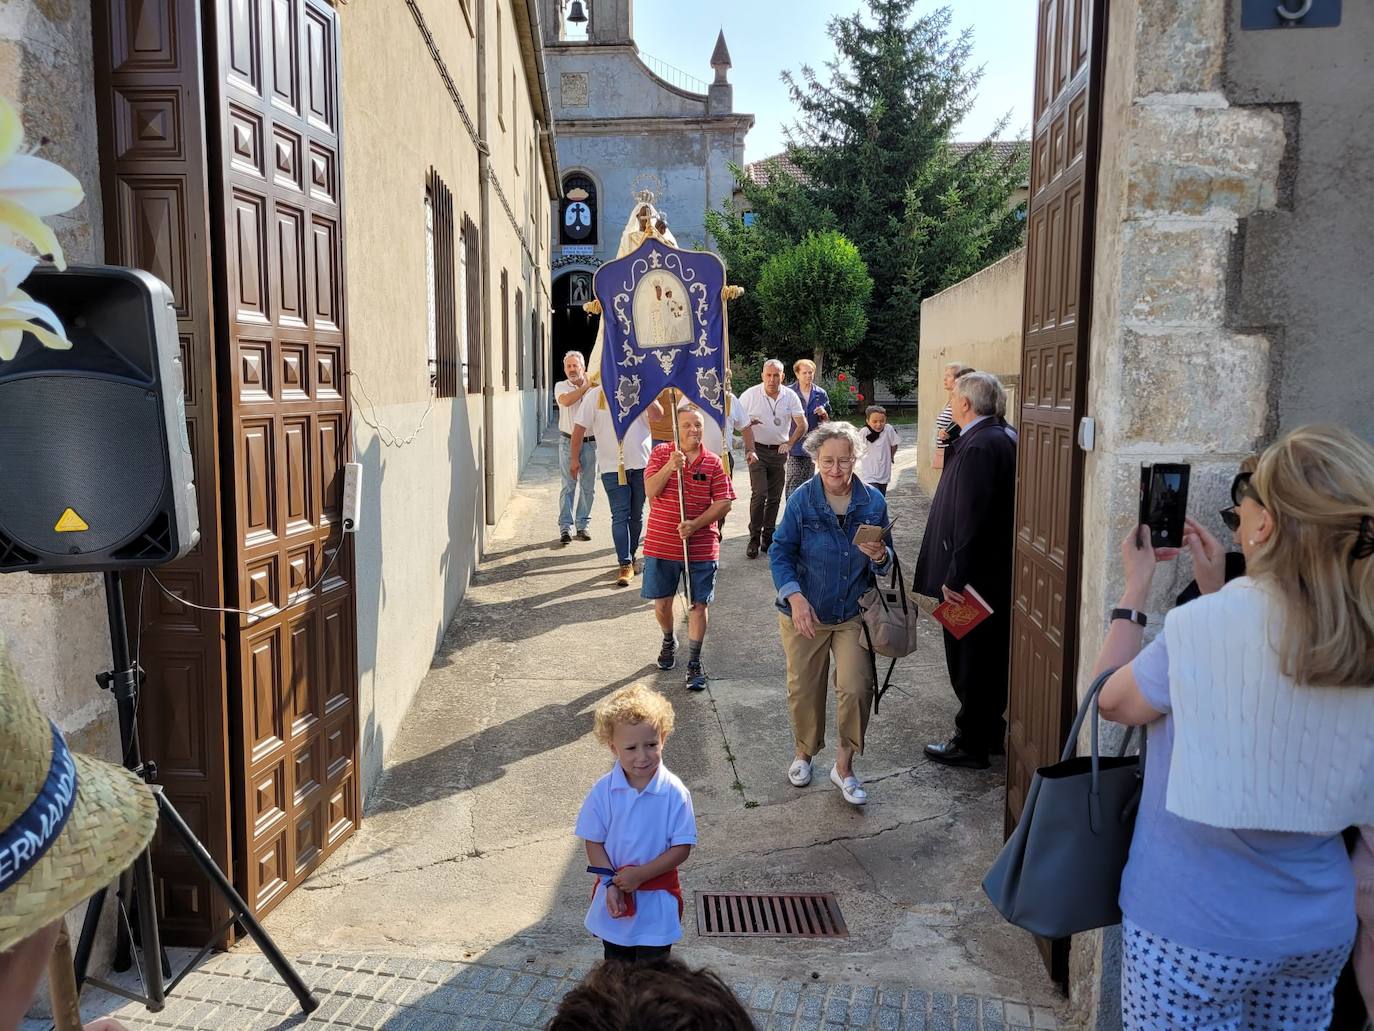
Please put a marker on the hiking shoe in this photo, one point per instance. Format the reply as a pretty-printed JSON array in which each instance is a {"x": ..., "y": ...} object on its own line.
[
  {"x": 753, "y": 550},
  {"x": 565, "y": 537},
  {"x": 696, "y": 679},
  {"x": 626, "y": 571},
  {"x": 583, "y": 535},
  {"x": 637, "y": 564},
  {"x": 667, "y": 655}
]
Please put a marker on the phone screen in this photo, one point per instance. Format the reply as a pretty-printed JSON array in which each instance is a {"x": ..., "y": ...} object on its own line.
[{"x": 1164, "y": 503}]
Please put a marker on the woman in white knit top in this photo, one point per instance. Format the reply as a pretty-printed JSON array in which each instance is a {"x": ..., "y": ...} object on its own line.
[{"x": 1238, "y": 897}]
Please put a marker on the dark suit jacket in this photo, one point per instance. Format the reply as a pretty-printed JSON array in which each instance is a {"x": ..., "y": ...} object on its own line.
[{"x": 968, "y": 538}]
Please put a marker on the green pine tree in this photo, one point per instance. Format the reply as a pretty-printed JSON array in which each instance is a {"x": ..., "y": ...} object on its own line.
[{"x": 873, "y": 144}]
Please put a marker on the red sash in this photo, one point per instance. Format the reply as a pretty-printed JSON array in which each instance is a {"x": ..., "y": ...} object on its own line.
[{"x": 668, "y": 882}]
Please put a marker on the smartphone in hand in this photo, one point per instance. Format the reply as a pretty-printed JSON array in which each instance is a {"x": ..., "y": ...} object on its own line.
[{"x": 1164, "y": 502}]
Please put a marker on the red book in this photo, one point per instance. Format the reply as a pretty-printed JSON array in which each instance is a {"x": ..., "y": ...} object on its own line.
[{"x": 961, "y": 617}]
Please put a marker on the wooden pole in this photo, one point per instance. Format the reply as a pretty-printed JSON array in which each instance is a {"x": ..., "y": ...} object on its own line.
[
  {"x": 681, "y": 500},
  {"x": 66, "y": 1004}
]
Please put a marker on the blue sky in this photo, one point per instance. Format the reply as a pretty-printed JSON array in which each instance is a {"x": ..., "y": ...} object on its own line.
[{"x": 768, "y": 36}]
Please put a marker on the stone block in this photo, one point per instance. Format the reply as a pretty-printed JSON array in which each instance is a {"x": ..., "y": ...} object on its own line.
[
  {"x": 1175, "y": 272},
  {"x": 1203, "y": 160},
  {"x": 1196, "y": 391},
  {"x": 1180, "y": 46}
]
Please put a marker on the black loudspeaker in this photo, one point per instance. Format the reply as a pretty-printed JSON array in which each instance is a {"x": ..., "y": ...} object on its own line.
[{"x": 95, "y": 466}]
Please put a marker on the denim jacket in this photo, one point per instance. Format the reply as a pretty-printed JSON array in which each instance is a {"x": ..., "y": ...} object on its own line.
[{"x": 811, "y": 553}]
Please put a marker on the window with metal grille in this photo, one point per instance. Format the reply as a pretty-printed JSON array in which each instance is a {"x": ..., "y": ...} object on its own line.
[
  {"x": 472, "y": 297},
  {"x": 505, "y": 330},
  {"x": 441, "y": 288},
  {"x": 520, "y": 365}
]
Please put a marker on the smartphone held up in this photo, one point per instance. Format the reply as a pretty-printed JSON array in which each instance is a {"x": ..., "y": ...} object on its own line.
[{"x": 1164, "y": 502}]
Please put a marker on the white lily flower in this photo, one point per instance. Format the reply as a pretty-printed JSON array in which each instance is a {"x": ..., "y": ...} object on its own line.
[
  {"x": 18, "y": 310},
  {"x": 30, "y": 188}
]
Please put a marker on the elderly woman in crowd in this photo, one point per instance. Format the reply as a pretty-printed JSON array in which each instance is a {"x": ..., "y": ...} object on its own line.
[
  {"x": 820, "y": 573},
  {"x": 945, "y": 421},
  {"x": 815, "y": 402},
  {"x": 1238, "y": 897}
]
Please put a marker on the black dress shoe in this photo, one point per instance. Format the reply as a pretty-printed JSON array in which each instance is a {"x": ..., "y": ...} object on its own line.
[
  {"x": 583, "y": 535},
  {"x": 753, "y": 550},
  {"x": 565, "y": 537},
  {"x": 954, "y": 754}
]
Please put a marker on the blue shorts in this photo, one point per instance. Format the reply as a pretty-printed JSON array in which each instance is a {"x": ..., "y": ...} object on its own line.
[{"x": 663, "y": 575}]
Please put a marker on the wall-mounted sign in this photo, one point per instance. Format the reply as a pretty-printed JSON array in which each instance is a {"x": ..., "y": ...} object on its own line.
[
  {"x": 1290, "y": 14},
  {"x": 578, "y": 250}
]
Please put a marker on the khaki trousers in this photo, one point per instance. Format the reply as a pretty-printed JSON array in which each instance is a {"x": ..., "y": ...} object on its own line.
[{"x": 808, "y": 669}]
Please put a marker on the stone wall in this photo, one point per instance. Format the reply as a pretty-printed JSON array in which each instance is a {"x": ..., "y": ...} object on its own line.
[
  {"x": 1170, "y": 378},
  {"x": 978, "y": 322}
]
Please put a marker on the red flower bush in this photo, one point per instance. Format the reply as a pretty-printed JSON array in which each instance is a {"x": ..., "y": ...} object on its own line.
[
  {"x": 840, "y": 377},
  {"x": 861, "y": 397}
]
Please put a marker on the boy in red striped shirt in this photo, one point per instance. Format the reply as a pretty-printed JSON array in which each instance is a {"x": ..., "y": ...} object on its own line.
[{"x": 707, "y": 493}]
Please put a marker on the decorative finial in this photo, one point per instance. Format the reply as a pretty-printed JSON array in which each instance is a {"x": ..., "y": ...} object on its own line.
[{"x": 720, "y": 58}]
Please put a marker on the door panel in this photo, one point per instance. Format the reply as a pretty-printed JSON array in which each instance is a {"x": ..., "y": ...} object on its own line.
[
  {"x": 1053, "y": 374},
  {"x": 292, "y": 661},
  {"x": 153, "y": 163}
]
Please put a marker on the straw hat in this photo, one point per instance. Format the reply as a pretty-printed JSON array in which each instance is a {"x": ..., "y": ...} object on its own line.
[{"x": 108, "y": 822}]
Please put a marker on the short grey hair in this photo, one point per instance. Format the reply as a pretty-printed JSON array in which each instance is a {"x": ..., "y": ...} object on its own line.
[
  {"x": 835, "y": 429},
  {"x": 575, "y": 353},
  {"x": 773, "y": 361},
  {"x": 956, "y": 366},
  {"x": 983, "y": 391}
]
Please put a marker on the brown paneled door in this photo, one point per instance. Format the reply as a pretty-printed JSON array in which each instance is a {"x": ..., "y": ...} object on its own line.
[
  {"x": 275, "y": 167},
  {"x": 1064, "y": 161}
]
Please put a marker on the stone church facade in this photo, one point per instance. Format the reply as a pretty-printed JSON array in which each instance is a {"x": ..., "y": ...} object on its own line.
[{"x": 625, "y": 122}]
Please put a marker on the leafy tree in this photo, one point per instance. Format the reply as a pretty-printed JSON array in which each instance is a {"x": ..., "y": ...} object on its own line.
[
  {"x": 872, "y": 146},
  {"x": 814, "y": 296}
]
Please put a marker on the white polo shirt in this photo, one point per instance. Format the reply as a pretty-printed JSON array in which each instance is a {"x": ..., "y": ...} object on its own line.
[
  {"x": 637, "y": 827},
  {"x": 711, "y": 437},
  {"x": 774, "y": 413},
  {"x": 596, "y": 421},
  {"x": 566, "y": 412},
  {"x": 876, "y": 464}
]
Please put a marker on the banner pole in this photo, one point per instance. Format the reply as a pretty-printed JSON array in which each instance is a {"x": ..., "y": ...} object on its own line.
[{"x": 681, "y": 500}]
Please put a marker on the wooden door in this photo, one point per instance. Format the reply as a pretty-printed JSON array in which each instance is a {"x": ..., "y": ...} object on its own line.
[
  {"x": 1059, "y": 237},
  {"x": 153, "y": 180},
  {"x": 292, "y": 681}
]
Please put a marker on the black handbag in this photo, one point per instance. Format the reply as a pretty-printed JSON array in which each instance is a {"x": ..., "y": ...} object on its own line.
[
  {"x": 1060, "y": 871},
  {"x": 890, "y": 621}
]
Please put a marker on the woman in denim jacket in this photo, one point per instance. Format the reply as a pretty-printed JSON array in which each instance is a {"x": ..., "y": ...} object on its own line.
[{"x": 820, "y": 574}]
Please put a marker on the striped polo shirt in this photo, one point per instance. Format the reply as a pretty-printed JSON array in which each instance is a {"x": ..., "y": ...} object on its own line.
[{"x": 705, "y": 484}]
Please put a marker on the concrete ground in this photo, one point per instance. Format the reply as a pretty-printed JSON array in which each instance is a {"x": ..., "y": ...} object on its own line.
[{"x": 466, "y": 856}]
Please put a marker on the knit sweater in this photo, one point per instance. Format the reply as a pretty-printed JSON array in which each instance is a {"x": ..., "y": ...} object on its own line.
[{"x": 1253, "y": 749}]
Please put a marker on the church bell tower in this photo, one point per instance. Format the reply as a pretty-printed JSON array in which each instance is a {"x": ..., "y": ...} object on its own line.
[{"x": 607, "y": 22}]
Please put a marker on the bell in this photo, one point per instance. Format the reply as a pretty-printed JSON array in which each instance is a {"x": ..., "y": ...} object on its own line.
[{"x": 577, "y": 15}]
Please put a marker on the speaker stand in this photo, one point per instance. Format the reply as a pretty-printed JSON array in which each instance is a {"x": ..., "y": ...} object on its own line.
[{"x": 136, "y": 888}]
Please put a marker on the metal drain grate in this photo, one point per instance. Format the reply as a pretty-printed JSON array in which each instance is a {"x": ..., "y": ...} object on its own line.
[{"x": 769, "y": 914}]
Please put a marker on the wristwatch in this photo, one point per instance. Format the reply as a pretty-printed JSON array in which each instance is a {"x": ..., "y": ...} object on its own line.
[{"x": 1133, "y": 615}]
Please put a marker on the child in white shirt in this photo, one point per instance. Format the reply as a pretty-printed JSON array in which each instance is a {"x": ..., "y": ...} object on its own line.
[
  {"x": 638, "y": 825},
  {"x": 875, "y": 468}
]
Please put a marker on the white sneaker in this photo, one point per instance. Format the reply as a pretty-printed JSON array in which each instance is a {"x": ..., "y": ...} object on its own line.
[
  {"x": 849, "y": 787},
  {"x": 799, "y": 773}
]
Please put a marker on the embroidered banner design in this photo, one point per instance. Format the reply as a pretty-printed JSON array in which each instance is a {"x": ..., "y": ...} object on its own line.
[
  {"x": 663, "y": 326},
  {"x": 24, "y": 841}
]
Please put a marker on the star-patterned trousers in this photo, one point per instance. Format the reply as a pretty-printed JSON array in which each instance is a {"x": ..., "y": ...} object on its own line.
[{"x": 1164, "y": 985}]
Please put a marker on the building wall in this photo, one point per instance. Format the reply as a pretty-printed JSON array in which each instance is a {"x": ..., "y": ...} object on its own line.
[
  {"x": 1170, "y": 377},
  {"x": 1305, "y": 267},
  {"x": 423, "y": 522},
  {"x": 53, "y": 628},
  {"x": 977, "y": 322}
]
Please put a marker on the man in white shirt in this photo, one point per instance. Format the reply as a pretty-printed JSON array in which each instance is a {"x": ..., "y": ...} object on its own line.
[
  {"x": 593, "y": 419},
  {"x": 569, "y": 393},
  {"x": 779, "y": 421}
]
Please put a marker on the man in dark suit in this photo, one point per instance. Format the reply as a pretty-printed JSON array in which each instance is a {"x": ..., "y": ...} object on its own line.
[{"x": 968, "y": 542}]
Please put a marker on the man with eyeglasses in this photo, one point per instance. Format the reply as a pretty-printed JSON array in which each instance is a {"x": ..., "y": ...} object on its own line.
[{"x": 779, "y": 421}]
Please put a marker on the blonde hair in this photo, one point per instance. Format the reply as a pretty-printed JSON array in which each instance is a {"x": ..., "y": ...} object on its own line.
[
  {"x": 633, "y": 704},
  {"x": 804, "y": 363},
  {"x": 1317, "y": 484}
]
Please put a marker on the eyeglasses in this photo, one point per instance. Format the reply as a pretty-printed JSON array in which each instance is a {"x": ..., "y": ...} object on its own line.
[
  {"x": 1240, "y": 488},
  {"x": 833, "y": 463}
]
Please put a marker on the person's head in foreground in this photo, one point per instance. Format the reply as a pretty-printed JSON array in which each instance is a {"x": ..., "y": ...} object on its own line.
[
  {"x": 68, "y": 825},
  {"x": 665, "y": 995},
  {"x": 634, "y": 723}
]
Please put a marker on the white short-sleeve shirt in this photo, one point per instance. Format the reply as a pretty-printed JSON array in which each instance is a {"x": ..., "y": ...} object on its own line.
[
  {"x": 565, "y": 412},
  {"x": 774, "y": 413},
  {"x": 597, "y": 422},
  {"x": 876, "y": 464},
  {"x": 637, "y": 827},
  {"x": 711, "y": 438}
]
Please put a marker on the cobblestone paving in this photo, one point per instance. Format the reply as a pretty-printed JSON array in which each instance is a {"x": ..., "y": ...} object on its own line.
[{"x": 243, "y": 993}]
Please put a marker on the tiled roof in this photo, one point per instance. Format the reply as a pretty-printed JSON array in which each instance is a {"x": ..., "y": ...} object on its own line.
[{"x": 762, "y": 172}]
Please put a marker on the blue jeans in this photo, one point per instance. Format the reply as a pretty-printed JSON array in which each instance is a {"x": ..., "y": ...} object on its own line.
[
  {"x": 627, "y": 511},
  {"x": 584, "y": 487}
]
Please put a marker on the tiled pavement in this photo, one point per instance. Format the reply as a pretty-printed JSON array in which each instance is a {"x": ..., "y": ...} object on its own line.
[{"x": 242, "y": 992}]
